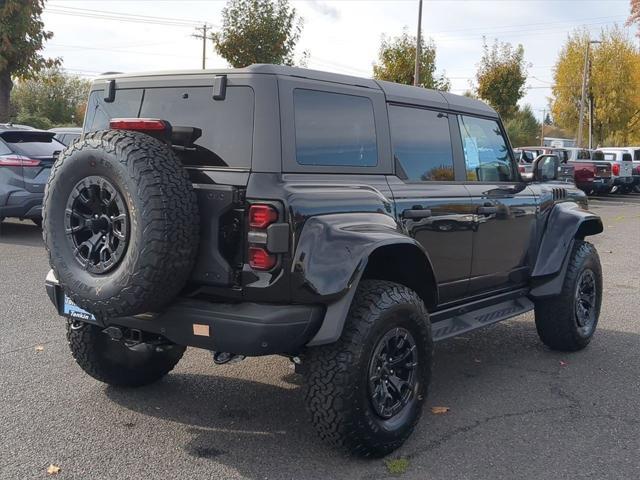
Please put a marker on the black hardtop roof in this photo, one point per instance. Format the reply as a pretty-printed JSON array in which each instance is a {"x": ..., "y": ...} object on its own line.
[{"x": 394, "y": 92}]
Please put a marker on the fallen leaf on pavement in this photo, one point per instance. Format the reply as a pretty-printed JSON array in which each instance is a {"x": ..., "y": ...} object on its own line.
[
  {"x": 439, "y": 410},
  {"x": 563, "y": 364},
  {"x": 39, "y": 348},
  {"x": 53, "y": 469},
  {"x": 477, "y": 360}
]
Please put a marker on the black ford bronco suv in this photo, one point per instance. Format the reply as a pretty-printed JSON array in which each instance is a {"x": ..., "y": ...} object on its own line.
[{"x": 345, "y": 223}]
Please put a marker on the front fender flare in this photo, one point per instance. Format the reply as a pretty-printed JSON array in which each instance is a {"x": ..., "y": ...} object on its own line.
[{"x": 566, "y": 223}]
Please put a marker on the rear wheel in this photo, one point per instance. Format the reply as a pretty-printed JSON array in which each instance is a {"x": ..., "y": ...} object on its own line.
[
  {"x": 116, "y": 363},
  {"x": 365, "y": 392},
  {"x": 567, "y": 321}
]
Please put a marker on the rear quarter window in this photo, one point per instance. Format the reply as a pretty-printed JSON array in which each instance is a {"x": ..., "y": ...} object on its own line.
[
  {"x": 227, "y": 125},
  {"x": 334, "y": 129}
]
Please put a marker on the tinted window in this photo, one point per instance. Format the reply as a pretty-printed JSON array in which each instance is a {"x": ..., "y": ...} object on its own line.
[
  {"x": 636, "y": 154},
  {"x": 334, "y": 129},
  {"x": 597, "y": 155},
  {"x": 485, "y": 150},
  {"x": 99, "y": 112},
  {"x": 226, "y": 139},
  {"x": 421, "y": 144},
  {"x": 584, "y": 155},
  {"x": 227, "y": 125},
  {"x": 32, "y": 144}
]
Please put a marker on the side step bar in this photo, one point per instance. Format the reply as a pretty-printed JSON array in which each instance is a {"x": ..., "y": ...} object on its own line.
[{"x": 453, "y": 322}]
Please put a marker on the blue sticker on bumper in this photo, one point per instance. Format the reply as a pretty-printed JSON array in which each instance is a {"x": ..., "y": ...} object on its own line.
[{"x": 74, "y": 311}]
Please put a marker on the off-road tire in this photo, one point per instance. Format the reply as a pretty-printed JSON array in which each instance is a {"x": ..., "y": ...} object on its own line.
[
  {"x": 556, "y": 318},
  {"x": 336, "y": 375},
  {"x": 163, "y": 223},
  {"x": 114, "y": 363}
]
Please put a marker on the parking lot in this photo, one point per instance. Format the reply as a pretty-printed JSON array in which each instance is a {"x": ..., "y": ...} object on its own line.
[{"x": 517, "y": 410}]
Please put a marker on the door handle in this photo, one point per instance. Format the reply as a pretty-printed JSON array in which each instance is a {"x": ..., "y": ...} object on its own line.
[
  {"x": 487, "y": 210},
  {"x": 417, "y": 213}
]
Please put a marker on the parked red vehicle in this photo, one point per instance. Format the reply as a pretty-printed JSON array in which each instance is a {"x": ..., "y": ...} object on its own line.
[{"x": 592, "y": 176}]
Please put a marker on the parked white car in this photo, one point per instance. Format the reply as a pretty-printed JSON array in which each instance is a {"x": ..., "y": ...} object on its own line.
[
  {"x": 635, "y": 158},
  {"x": 621, "y": 167}
]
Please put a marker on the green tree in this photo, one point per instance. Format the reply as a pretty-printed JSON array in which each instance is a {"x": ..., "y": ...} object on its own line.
[
  {"x": 22, "y": 36},
  {"x": 523, "y": 128},
  {"x": 396, "y": 62},
  {"x": 258, "y": 31},
  {"x": 613, "y": 86},
  {"x": 52, "y": 94},
  {"x": 501, "y": 77}
]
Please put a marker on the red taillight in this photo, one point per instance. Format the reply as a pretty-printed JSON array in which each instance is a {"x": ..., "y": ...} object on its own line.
[
  {"x": 138, "y": 124},
  {"x": 522, "y": 169},
  {"x": 18, "y": 162},
  {"x": 260, "y": 259},
  {"x": 261, "y": 216},
  {"x": 615, "y": 169}
]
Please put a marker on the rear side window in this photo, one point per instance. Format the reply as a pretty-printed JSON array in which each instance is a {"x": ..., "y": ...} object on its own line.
[
  {"x": 4, "y": 150},
  {"x": 32, "y": 144},
  {"x": 334, "y": 129},
  {"x": 584, "y": 155},
  {"x": 485, "y": 150},
  {"x": 421, "y": 144},
  {"x": 636, "y": 154},
  {"x": 226, "y": 125},
  {"x": 626, "y": 157}
]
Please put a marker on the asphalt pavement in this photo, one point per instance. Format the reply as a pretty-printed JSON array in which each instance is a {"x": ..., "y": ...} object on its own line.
[{"x": 517, "y": 409}]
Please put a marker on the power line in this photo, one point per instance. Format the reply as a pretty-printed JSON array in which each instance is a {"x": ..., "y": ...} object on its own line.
[{"x": 122, "y": 17}]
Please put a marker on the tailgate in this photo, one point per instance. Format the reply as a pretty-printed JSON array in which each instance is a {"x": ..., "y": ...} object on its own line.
[{"x": 603, "y": 170}]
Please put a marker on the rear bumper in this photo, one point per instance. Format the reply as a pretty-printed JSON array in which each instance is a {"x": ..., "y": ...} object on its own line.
[
  {"x": 619, "y": 181},
  {"x": 22, "y": 204},
  {"x": 597, "y": 184},
  {"x": 242, "y": 328}
]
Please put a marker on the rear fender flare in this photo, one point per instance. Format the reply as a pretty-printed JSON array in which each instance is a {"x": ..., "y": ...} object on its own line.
[{"x": 333, "y": 253}]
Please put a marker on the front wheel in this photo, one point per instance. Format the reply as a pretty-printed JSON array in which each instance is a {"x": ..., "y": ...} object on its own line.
[
  {"x": 116, "y": 363},
  {"x": 365, "y": 392},
  {"x": 567, "y": 321}
]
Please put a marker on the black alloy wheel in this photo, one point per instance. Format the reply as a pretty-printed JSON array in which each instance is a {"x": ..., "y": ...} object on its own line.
[
  {"x": 97, "y": 224},
  {"x": 585, "y": 300},
  {"x": 392, "y": 373}
]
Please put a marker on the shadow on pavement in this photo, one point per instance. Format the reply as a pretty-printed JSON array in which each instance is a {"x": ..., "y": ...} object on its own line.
[
  {"x": 21, "y": 233},
  {"x": 501, "y": 377}
]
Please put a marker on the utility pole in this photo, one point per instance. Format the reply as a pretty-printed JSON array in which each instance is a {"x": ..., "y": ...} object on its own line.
[
  {"x": 416, "y": 74},
  {"x": 204, "y": 28},
  {"x": 584, "y": 90},
  {"x": 590, "y": 122},
  {"x": 542, "y": 128}
]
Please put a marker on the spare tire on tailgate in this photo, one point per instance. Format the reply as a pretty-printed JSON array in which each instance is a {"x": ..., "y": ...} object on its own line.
[{"x": 120, "y": 222}]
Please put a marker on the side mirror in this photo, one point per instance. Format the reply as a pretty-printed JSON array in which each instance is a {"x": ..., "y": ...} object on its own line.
[{"x": 545, "y": 168}]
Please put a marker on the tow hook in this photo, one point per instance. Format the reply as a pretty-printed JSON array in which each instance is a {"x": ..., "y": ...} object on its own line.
[{"x": 221, "y": 358}]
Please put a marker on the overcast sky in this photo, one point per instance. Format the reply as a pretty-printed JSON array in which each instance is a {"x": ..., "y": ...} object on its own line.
[{"x": 341, "y": 35}]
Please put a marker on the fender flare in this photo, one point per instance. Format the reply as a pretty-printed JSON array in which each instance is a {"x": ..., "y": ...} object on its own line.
[
  {"x": 567, "y": 223},
  {"x": 341, "y": 246}
]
